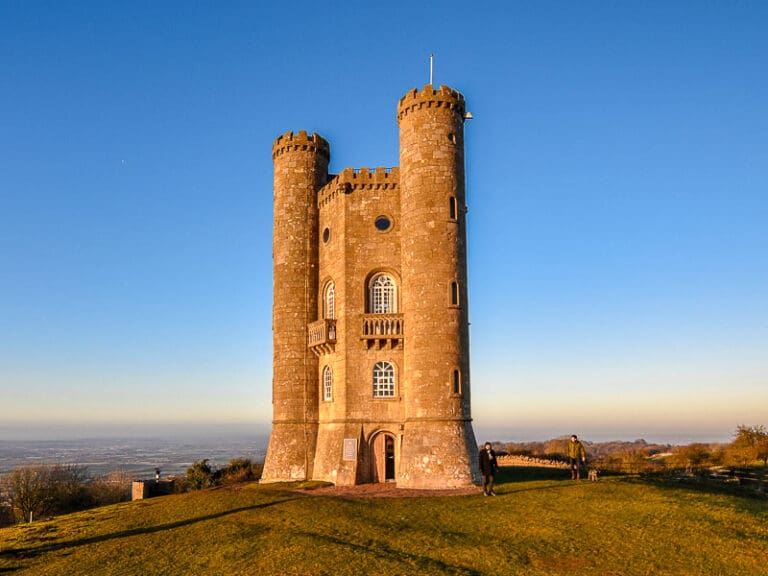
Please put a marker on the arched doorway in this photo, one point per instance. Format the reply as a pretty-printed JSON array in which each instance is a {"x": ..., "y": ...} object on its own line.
[{"x": 383, "y": 457}]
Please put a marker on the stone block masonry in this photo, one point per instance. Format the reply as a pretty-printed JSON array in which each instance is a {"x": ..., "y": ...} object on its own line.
[{"x": 371, "y": 378}]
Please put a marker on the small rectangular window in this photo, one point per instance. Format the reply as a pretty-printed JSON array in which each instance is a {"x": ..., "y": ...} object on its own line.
[
  {"x": 452, "y": 207},
  {"x": 456, "y": 382},
  {"x": 454, "y": 293}
]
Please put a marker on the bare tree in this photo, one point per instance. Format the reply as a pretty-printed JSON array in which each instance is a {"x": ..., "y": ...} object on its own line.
[
  {"x": 36, "y": 491},
  {"x": 28, "y": 490}
]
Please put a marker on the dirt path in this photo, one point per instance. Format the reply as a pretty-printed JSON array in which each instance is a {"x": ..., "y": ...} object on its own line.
[{"x": 386, "y": 490}]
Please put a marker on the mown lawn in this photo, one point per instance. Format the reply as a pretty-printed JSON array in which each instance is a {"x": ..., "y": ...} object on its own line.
[{"x": 539, "y": 523}]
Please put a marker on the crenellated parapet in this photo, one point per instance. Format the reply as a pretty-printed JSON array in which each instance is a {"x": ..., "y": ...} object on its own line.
[
  {"x": 431, "y": 98},
  {"x": 367, "y": 178},
  {"x": 301, "y": 141},
  {"x": 351, "y": 179}
]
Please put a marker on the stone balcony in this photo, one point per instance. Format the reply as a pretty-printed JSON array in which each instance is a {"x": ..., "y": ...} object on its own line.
[
  {"x": 383, "y": 330},
  {"x": 322, "y": 336}
]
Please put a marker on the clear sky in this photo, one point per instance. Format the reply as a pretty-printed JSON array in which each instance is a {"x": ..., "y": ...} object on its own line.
[{"x": 617, "y": 177}]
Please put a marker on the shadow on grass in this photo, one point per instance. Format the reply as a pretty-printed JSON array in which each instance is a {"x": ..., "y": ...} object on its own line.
[
  {"x": 556, "y": 478},
  {"x": 748, "y": 494},
  {"x": 34, "y": 551},
  {"x": 516, "y": 474},
  {"x": 384, "y": 551}
]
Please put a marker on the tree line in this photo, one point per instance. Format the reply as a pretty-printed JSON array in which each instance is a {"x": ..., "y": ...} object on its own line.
[
  {"x": 749, "y": 447},
  {"x": 33, "y": 492}
]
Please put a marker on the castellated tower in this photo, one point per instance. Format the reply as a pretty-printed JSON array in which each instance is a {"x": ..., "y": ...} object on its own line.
[
  {"x": 370, "y": 317},
  {"x": 434, "y": 264},
  {"x": 301, "y": 169}
]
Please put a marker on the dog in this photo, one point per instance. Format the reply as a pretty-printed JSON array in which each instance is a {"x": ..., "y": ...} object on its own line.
[{"x": 593, "y": 474}]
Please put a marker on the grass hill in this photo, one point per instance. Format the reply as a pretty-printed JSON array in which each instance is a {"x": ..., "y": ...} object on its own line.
[{"x": 540, "y": 523}]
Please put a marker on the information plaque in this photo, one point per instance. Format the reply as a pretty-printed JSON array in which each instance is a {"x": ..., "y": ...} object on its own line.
[{"x": 350, "y": 449}]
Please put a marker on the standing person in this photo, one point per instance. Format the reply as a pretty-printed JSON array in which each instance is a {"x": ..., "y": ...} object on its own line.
[
  {"x": 576, "y": 457},
  {"x": 488, "y": 468}
]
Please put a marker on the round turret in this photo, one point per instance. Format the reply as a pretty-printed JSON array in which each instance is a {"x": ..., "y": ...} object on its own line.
[
  {"x": 300, "y": 170},
  {"x": 434, "y": 268}
]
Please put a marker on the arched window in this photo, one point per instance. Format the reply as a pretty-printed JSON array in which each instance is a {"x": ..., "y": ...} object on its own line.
[
  {"x": 327, "y": 383},
  {"x": 383, "y": 380},
  {"x": 383, "y": 295},
  {"x": 452, "y": 209},
  {"x": 329, "y": 301}
]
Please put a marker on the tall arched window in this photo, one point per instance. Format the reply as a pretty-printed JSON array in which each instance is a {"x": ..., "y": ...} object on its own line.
[
  {"x": 383, "y": 295},
  {"x": 327, "y": 383},
  {"x": 329, "y": 301},
  {"x": 383, "y": 380}
]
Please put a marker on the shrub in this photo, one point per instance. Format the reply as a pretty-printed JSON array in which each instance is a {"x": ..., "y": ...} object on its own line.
[
  {"x": 241, "y": 470},
  {"x": 200, "y": 475}
]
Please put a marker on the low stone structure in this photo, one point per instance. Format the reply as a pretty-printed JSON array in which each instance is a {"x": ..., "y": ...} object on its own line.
[
  {"x": 514, "y": 460},
  {"x": 141, "y": 489}
]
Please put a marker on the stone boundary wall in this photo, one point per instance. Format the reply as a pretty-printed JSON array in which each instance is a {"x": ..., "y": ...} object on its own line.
[{"x": 511, "y": 460}]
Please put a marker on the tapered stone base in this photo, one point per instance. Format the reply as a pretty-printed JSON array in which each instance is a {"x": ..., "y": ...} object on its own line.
[
  {"x": 290, "y": 453},
  {"x": 438, "y": 454}
]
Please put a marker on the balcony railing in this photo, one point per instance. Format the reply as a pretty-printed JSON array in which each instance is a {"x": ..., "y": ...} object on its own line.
[
  {"x": 322, "y": 336},
  {"x": 383, "y": 330}
]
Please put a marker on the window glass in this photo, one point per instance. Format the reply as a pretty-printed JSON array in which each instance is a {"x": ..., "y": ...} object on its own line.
[
  {"x": 327, "y": 383},
  {"x": 329, "y": 301},
  {"x": 382, "y": 223},
  {"x": 383, "y": 380},
  {"x": 383, "y": 296}
]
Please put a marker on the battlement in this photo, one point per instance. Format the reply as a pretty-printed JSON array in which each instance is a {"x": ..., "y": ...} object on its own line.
[
  {"x": 301, "y": 141},
  {"x": 431, "y": 97},
  {"x": 351, "y": 179},
  {"x": 365, "y": 177}
]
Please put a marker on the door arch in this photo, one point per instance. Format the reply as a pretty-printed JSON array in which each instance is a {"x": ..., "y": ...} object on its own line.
[{"x": 383, "y": 460}]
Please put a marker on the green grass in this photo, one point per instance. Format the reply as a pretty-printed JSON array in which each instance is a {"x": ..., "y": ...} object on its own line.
[{"x": 538, "y": 524}]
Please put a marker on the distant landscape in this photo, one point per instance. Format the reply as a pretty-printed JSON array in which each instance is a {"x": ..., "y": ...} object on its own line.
[
  {"x": 173, "y": 454},
  {"x": 136, "y": 457}
]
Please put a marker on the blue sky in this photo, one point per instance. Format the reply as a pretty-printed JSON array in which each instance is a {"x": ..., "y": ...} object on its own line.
[{"x": 617, "y": 177}]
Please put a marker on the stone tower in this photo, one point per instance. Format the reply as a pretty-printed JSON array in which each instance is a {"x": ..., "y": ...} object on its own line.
[
  {"x": 301, "y": 168},
  {"x": 370, "y": 314}
]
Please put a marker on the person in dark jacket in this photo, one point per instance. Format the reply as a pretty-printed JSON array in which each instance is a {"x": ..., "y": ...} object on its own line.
[
  {"x": 576, "y": 457},
  {"x": 488, "y": 468}
]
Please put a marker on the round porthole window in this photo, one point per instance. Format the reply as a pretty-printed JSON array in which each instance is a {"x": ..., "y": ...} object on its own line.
[
  {"x": 383, "y": 223},
  {"x": 326, "y": 234}
]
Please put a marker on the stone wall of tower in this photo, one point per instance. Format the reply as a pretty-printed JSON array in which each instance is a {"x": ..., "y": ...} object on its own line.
[
  {"x": 300, "y": 170},
  {"x": 354, "y": 251},
  {"x": 439, "y": 448},
  {"x": 408, "y": 223}
]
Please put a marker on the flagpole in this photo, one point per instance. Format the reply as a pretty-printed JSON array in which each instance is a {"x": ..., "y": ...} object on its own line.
[{"x": 431, "y": 58}]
